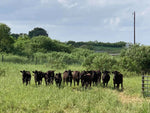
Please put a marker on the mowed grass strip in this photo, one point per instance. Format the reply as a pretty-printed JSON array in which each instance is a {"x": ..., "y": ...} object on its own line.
[{"x": 16, "y": 97}]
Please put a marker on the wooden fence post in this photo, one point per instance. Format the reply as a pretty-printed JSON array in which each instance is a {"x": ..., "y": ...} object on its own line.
[{"x": 143, "y": 84}]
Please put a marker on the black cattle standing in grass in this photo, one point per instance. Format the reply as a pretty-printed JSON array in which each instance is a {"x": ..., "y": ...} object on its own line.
[
  {"x": 76, "y": 77},
  {"x": 67, "y": 77},
  {"x": 43, "y": 75},
  {"x": 94, "y": 78},
  {"x": 38, "y": 77},
  {"x": 99, "y": 76},
  {"x": 58, "y": 79},
  {"x": 118, "y": 79},
  {"x": 86, "y": 78},
  {"x": 82, "y": 74},
  {"x": 26, "y": 77},
  {"x": 50, "y": 75},
  {"x": 105, "y": 78}
]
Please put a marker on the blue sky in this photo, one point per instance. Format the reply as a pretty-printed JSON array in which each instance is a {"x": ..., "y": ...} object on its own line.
[{"x": 80, "y": 20}]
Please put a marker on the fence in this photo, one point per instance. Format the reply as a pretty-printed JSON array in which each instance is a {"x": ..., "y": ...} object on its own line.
[{"x": 146, "y": 85}]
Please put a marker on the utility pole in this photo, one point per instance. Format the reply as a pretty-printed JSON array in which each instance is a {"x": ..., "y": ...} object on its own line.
[{"x": 134, "y": 27}]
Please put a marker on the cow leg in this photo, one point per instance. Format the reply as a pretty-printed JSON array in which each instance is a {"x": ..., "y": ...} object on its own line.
[
  {"x": 23, "y": 80},
  {"x": 74, "y": 82},
  {"x": 103, "y": 84},
  {"x": 106, "y": 84},
  {"x": 117, "y": 86},
  {"x": 70, "y": 83},
  {"x": 86, "y": 85},
  {"x": 82, "y": 84},
  {"x": 78, "y": 82},
  {"x": 59, "y": 84},
  {"x": 63, "y": 82}
]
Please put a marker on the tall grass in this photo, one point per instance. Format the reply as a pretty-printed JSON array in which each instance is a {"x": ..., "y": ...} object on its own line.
[{"x": 16, "y": 97}]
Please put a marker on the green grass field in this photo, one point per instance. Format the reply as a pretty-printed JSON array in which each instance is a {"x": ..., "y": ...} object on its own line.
[{"x": 18, "y": 98}]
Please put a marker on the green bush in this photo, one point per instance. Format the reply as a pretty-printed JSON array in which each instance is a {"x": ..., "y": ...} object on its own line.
[
  {"x": 102, "y": 61},
  {"x": 136, "y": 58}
]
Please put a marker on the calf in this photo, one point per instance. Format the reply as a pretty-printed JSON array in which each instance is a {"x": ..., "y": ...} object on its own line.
[
  {"x": 99, "y": 76},
  {"x": 94, "y": 78},
  {"x": 58, "y": 79},
  {"x": 76, "y": 77},
  {"x": 118, "y": 79},
  {"x": 50, "y": 77},
  {"x": 105, "y": 78},
  {"x": 38, "y": 77},
  {"x": 86, "y": 79},
  {"x": 82, "y": 74},
  {"x": 26, "y": 77},
  {"x": 67, "y": 77}
]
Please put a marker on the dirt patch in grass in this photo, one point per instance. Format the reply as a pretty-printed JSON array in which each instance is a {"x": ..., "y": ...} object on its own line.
[{"x": 130, "y": 99}]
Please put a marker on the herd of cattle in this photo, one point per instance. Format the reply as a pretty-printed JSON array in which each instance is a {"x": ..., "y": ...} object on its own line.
[{"x": 86, "y": 77}]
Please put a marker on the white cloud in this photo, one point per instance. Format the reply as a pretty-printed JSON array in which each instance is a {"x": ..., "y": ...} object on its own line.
[
  {"x": 115, "y": 21},
  {"x": 78, "y": 19},
  {"x": 68, "y": 3},
  {"x": 145, "y": 12},
  {"x": 44, "y": 1},
  {"x": 96, "y": 2}
]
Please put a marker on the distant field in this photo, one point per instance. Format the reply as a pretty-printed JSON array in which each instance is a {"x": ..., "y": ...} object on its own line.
[
  {"x": 108, "y": 49},
  {"x": 18, "y": 98}
]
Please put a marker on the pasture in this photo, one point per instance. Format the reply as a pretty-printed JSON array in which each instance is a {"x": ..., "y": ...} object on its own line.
[{"x": 16, "y": 97}]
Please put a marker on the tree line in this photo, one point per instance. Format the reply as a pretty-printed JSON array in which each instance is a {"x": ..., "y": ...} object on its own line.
[
  {"x": 96, "y": 43},
  {"x": 37, "y": 40}
]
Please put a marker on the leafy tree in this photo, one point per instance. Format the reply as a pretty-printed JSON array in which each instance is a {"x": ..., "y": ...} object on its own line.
[
  {"x": 42, "y": 44},
  {"x": 14, "y": 35},
  {"x": 37, "y": 32},
  {"x": 6, "y": 40},
  {"x": 100, "y": 61},
  {"x": 22, "y": 46},
  {"x": 46, "y": 44},
  {"x": 136, "y": 58}
]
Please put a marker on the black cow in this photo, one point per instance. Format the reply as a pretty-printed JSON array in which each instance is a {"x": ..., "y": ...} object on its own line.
[
  {"x": 118, "y": 79},
  {"x": 38, "y": 76},
  {"x": 82, "y": 74},
  {"x": 86, "y": 79},
  {"x": 43, "y": 75},
  {"x": 76, "y": 77},
  {"x": 67, "y": 77},
  {"x": 50, "y": 77},
  {"x": 94, "y": 78},
  {"x": 99, "y": 76},
  {"x": 105, "y": 78},
  {"x": 26, "y": 77},
  {"x": 58, "y": 79}
]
